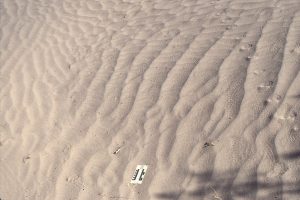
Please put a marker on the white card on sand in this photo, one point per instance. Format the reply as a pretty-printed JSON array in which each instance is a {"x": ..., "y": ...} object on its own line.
[{"x": 139, "y": 174}]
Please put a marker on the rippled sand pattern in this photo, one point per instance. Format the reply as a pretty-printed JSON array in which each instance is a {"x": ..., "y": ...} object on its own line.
[{"x": 205, "y": 92}]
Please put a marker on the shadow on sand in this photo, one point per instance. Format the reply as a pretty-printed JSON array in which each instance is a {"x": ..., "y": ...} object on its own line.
[{"x": 222, "y": 186}]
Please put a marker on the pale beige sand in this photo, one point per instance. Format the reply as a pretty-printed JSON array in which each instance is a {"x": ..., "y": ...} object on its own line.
[{"x": 205, "y": 92}]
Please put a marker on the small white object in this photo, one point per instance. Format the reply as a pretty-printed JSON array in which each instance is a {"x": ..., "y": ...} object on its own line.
[{"x": 139, "y": 174}]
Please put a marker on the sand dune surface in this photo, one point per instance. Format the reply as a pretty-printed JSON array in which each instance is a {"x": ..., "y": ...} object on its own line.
[{"x": 205, "y": 93}]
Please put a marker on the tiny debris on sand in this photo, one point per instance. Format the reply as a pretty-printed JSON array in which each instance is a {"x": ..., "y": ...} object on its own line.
[
  {"x": 117, "y": 150},
  {"x": 207, "y": 144}
]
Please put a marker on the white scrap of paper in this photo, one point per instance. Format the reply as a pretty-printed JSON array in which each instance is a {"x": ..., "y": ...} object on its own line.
[{"x": 139, "y": 174}]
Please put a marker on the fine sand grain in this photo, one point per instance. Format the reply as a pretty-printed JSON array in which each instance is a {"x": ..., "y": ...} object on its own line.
[{"x": 206, "y": 93}]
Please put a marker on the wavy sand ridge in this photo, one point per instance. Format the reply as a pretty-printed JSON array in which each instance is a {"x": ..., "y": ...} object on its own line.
[{"x": 206, "y": 93}]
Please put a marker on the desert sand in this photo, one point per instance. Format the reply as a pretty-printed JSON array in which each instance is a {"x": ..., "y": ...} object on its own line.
[{"x": 206, "y": 93}]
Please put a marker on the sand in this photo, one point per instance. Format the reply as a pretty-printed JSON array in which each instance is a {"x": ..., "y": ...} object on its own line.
[{"x": 206, "y": 93}]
